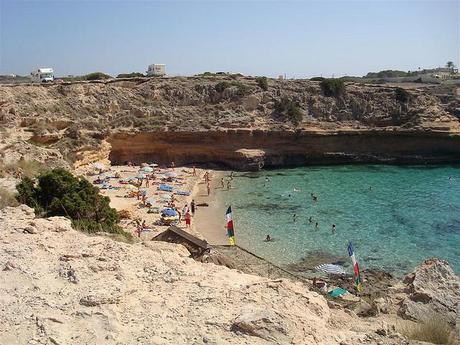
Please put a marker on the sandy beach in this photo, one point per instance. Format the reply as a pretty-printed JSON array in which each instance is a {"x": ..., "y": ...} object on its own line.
[{"x": 208, "y": 222}]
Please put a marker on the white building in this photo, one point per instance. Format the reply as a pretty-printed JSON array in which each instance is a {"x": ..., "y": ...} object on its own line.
[
  {"x": 156, "y": 69},
  {"x": 42, "y": 75}
]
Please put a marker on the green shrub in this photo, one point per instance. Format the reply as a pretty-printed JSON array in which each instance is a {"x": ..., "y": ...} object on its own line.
[
  {"x": 130, "y": 75},
  {"x": 59, "y": 193},
  {"x": 290, "y": 110},
  {"x": 433, "y": 330},
  {"x": 402, "y": 95},
  {"x": 7, "y": 198},
  {"x": 221, "y": 86},
  {"x": 387, "y": 74},
  {"x": 97, "y": 76},
  {"x": 262, "y": 82},
  {"x": 333, "y": 87},
  {"x": 242, "y": 89},
  {"x": 317, "y": 79}
]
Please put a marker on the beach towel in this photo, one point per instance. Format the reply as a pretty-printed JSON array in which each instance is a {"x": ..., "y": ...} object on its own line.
[
  {"x": 165, "y": 188},
  {"x": 337, "y": 292},
  {"x": 182, "y": 192}
]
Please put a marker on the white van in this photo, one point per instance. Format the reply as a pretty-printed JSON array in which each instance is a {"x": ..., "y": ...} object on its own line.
[{"x": 42, "y": 75}]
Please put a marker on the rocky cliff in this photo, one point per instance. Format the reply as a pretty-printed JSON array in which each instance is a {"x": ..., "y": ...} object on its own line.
[
  {"x": 60, "y": 286},
  {"x": 231, "y": 121}
]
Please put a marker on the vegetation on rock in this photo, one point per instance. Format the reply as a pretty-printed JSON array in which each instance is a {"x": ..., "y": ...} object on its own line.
[
  {"x": 290, "y": 109},
  {"x": 59, "y": 193},
  {"x": 7, "y": 198},
  {"x": 262, "y": 82},
  {"x": 402, "y": 95},
  {"x": 433, "y": 330},
  {"x": 97, "y": 76},
  {"x": 333, "y": 87},
  {"x": 130, "y": 75}
]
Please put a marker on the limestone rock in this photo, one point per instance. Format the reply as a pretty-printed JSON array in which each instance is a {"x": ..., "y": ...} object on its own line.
[{"x": 432, "y": 288}]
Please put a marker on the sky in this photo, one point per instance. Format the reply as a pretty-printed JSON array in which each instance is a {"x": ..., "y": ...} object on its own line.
[{"x": 295, "y": 38}]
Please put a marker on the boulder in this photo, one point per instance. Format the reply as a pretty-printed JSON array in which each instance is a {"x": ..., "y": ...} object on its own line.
[
  {"x": 433, "y": 288},
  {"x": 262, "y": 323}
]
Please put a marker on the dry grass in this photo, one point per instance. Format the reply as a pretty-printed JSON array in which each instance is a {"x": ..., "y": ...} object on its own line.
[
  {"x": 22, "y": 168},
  {"x": 7, "y": 198},
  {"x": 433, "y": 330}
]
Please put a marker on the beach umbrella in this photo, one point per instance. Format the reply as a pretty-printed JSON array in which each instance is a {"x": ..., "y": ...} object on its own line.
[
  {"x": 140, "y": 176},
  {"x": 171, "y": 174},
  {"x": 144, "y": 165},
  {"x": 99, "y": 166},
  {"x": 129, "y": 186},
  {"x": 151, "y": 201},
  {"x": 153, "y": 165},
  {"x": 169, "y": 212},
  {"x": 147, "y": 169},
  {"x": 331, "y": 269}
]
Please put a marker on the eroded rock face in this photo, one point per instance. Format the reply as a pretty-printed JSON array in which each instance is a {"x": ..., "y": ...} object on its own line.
[
  {"x": 255, "y": 149},
  {"x": 433, "y": 288},
  {"x": 64, "y": 287}
]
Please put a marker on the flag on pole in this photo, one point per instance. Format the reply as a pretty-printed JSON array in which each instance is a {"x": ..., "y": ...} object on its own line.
[
  {"x": 358, "y": 283},
  {"x": 230, "y": 231}
]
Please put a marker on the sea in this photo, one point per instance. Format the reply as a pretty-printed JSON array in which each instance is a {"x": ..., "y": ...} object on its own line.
[{"x": 395, "y": 216}]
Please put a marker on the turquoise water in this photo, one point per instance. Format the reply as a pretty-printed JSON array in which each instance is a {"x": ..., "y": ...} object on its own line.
[{"x": 410, "y": 214}]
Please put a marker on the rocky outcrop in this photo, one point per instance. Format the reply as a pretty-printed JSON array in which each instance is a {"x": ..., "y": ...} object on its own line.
[
  {"x": 255, "y": 149},
  {"x": 60, "y": 286},
  {"x": 433, "y": 289},
  {"x": 368, "y": 123}
]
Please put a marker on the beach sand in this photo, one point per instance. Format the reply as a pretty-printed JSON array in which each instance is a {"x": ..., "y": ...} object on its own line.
[{"x": 208, "y": 222}]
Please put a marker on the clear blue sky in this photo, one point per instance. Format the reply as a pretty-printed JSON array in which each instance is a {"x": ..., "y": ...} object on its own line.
[{"x": 298, "y": 38}]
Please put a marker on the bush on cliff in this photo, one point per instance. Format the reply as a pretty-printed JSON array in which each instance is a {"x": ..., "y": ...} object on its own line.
[
  {"x": 333, "y": 87},
  {"x": 402, "y": 95},
  {"x": 97, "y": 76},
  {"x": 221, "y": 86},
  {"x": 59, "y": 193},
  {"x": 262, "y": 82},
  {"x": 290, "y": 109},
  {"x": 130, "y": 75},
  {"x": 317, "y": 79}
]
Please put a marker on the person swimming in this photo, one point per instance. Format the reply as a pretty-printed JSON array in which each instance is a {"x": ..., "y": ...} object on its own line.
[
  {"x": 294, "y": 217},
  {"x": 333, "y": 228},
  {"x": 316, "y": 225},
  {"x": 310, "y": 219},
  {"x": 268, "y": 238}
]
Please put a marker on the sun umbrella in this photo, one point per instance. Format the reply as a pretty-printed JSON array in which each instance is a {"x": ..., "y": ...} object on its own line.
[
  {"x": 169, "y": 212},
  {"x": 140, "y": 176},
  {"x": 331, "y": 269},
  {"x": 144, "y": 165},
  {"x": 147, "y": 169},
  {"x": 99, "y": 166},
  {"x": 151, "y": 201},
  {"x": 171, "y": 174},
  {"x": 153, "y": 165},
  {"x": 129, "y": 186}
]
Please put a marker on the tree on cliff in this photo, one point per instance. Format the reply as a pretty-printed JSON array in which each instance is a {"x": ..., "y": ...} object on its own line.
[
  {"x": 59, "y": 193},
  {"x": 450, "y": 65}
]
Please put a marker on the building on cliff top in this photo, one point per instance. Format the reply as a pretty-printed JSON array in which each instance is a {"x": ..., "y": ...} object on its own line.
[{"x": 156, "y": 70}]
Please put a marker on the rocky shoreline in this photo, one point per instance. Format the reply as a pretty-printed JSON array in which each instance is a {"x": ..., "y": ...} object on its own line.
[{"x": 61, "y": 286}]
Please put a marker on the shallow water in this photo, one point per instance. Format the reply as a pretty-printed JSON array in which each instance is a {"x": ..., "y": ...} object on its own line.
[{"x": 411, "y": 213}]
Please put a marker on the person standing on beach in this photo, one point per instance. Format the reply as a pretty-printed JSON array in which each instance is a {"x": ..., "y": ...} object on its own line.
[
  {"x": 193, "y": 206},
  {"x": 194, "y": 171},
  {"x": 229, "y": 185},
  {"x": 188, "y": 220},
  {"x": 208, "y": 187},
  {"x": 173, "y": 165},
  {"x": 222, "y": 183}
]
